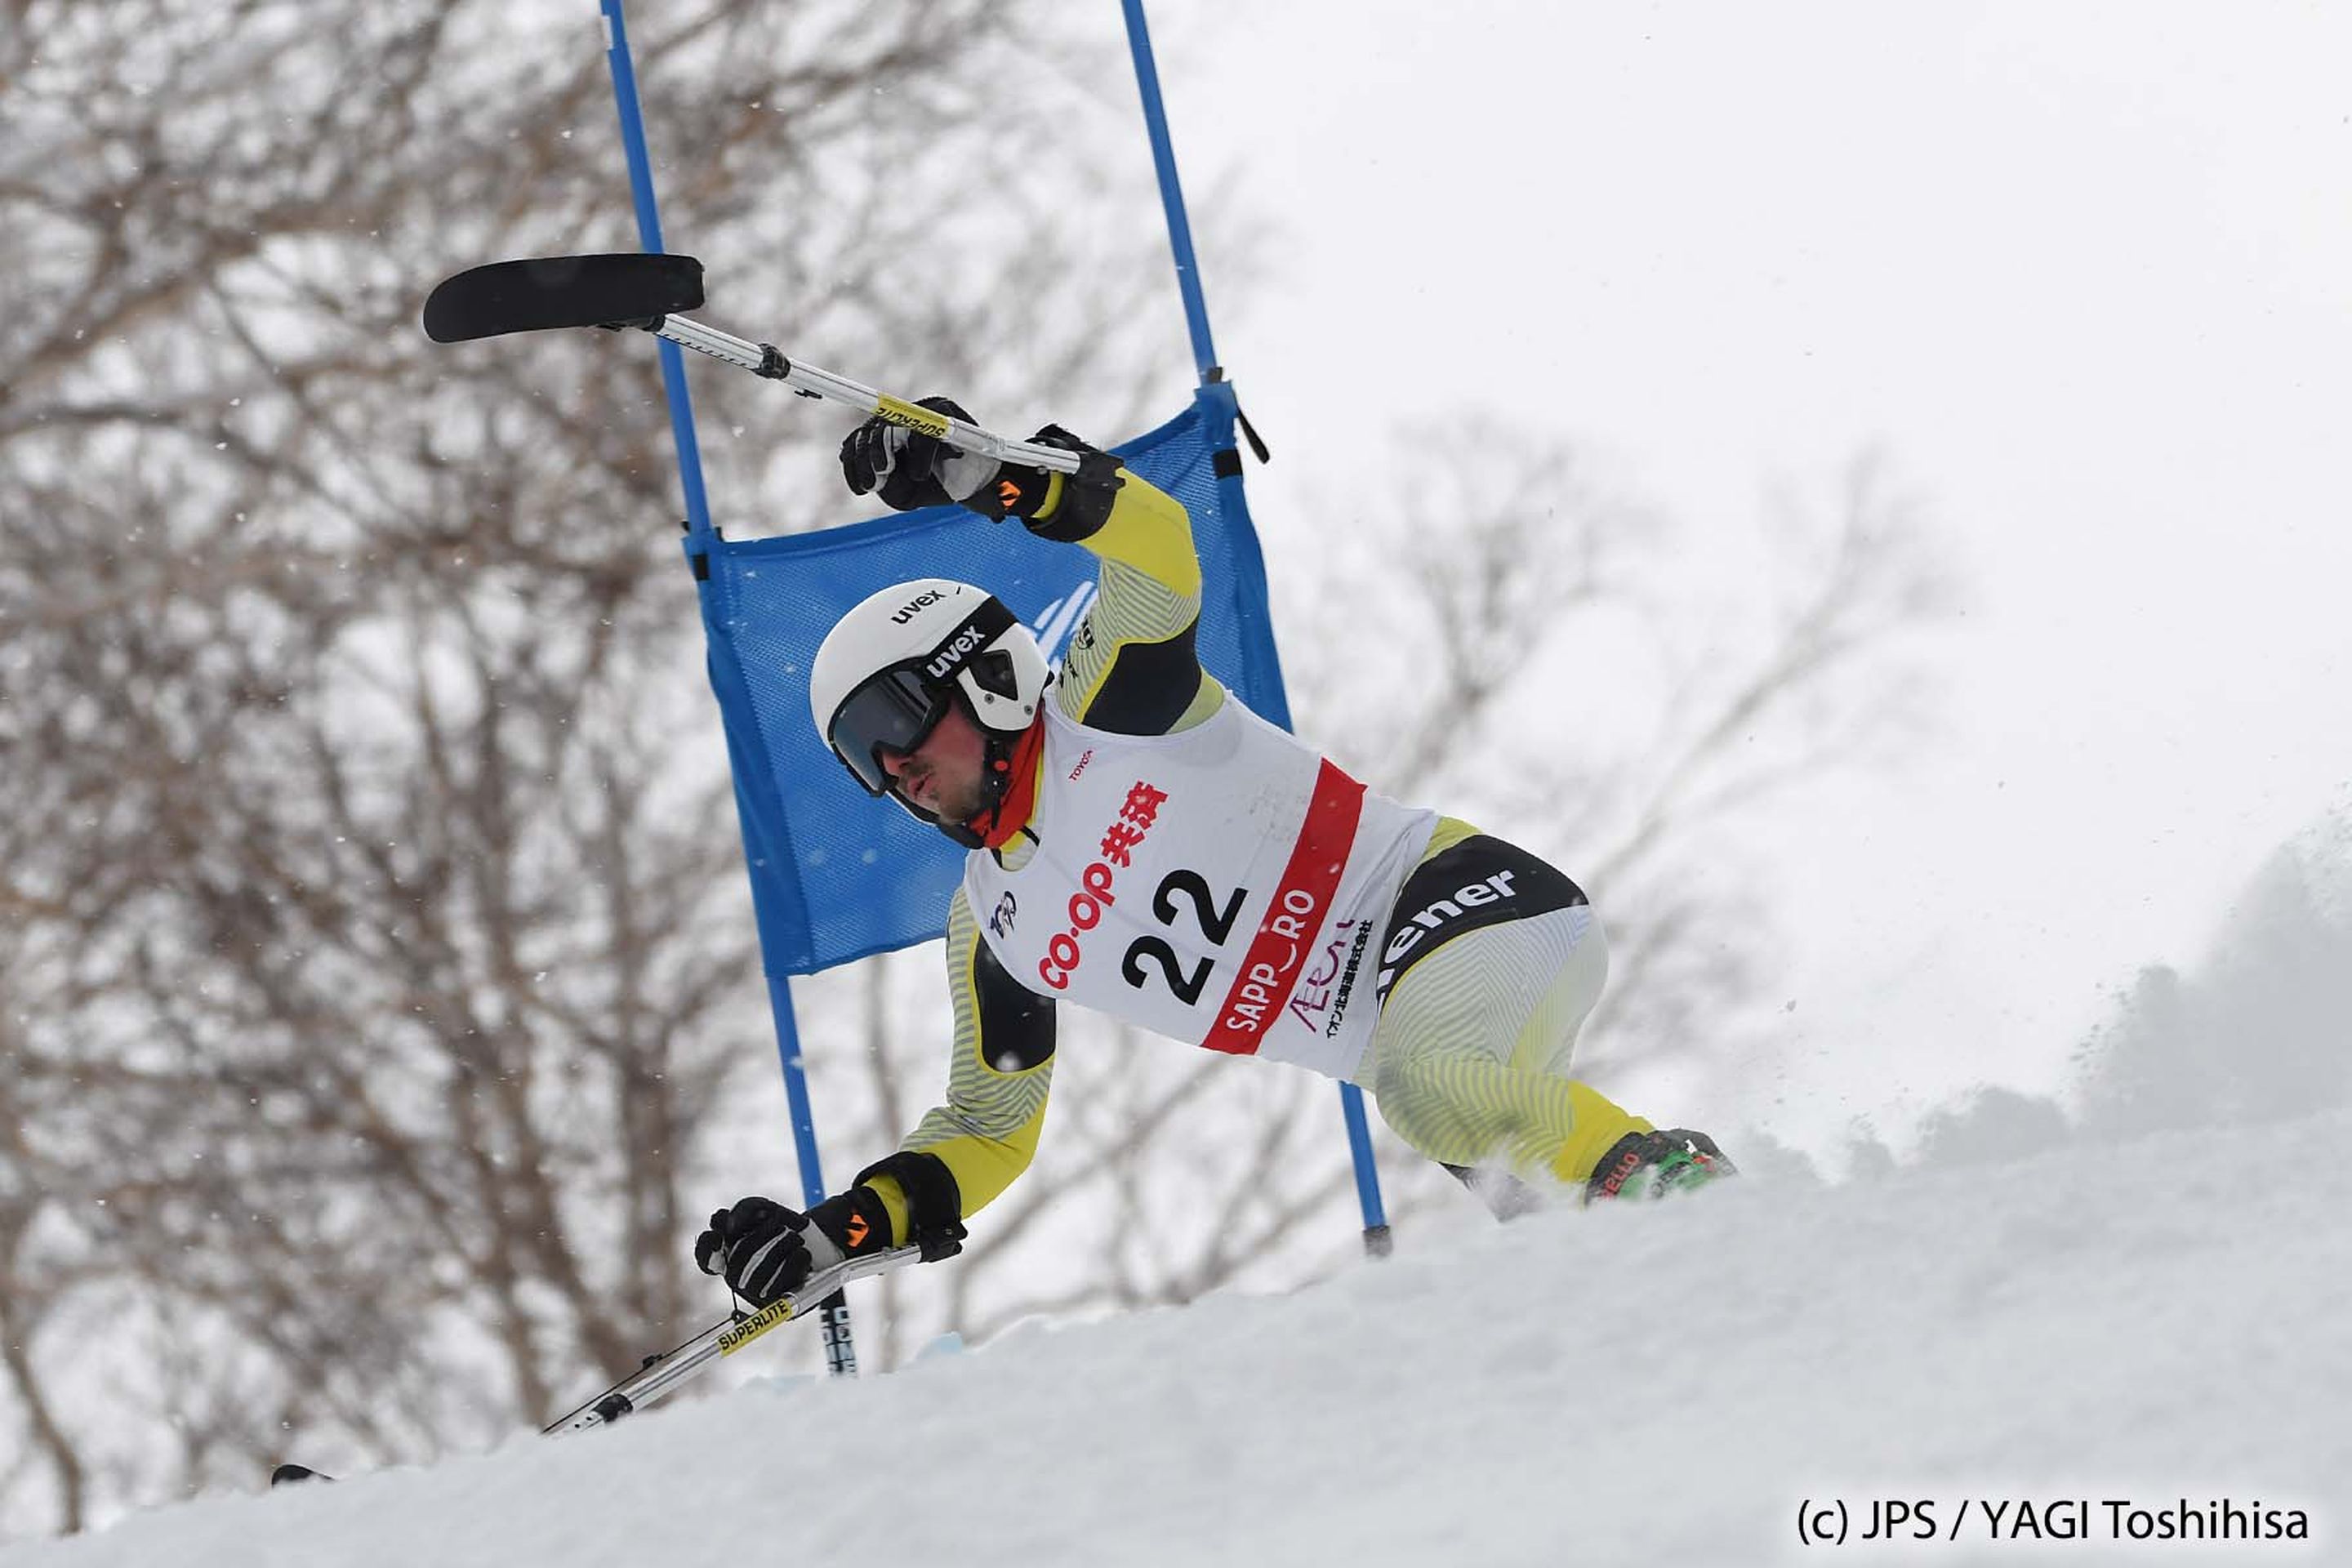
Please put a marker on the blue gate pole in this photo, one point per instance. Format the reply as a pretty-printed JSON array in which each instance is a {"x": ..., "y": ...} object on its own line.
[
  {"x": 840, "y": 1350},
  {"x": 649, "y": 238},
  {"x": 1171, "y": 192},
  {"x": 1377, "y": 1238}
]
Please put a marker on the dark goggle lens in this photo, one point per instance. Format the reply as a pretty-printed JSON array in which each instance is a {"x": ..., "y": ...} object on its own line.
[{"x": 892, "y": 710}]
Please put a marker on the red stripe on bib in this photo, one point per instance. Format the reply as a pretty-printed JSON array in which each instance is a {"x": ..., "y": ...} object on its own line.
[{"x": 1293, "y": 921}]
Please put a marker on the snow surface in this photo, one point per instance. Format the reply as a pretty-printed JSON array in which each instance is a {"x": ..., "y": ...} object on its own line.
[
  {"x": 2156, "y": 1318},
  {"x": 2139, "y": 1296}
]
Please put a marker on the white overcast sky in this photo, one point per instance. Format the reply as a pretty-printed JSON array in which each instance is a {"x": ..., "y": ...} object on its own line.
[{"x": 2086, "y": 271}]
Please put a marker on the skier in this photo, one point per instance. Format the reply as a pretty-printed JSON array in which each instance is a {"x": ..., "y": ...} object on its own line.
[{"x": 1144, "y": 843}]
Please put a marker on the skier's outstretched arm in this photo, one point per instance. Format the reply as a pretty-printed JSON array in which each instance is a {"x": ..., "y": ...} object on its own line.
[
  {"x": 1000, "y": 1066},
  {"x": 957, "y": 1158}
]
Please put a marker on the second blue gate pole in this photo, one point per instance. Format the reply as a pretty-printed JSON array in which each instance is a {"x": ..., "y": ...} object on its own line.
[{"x": 1377, "y": 1238}]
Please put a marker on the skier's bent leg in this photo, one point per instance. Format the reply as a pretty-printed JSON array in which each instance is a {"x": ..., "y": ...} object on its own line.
[{"x": 1470, "y": 1061}]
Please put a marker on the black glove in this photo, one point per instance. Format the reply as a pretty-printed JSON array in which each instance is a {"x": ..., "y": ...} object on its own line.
[
  {"x": 765, "y": 1251},
  {"x": 907, "y": 469}
]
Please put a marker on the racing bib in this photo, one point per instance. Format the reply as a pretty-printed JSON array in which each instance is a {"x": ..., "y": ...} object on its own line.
[{"x": 1225, "y": 886}]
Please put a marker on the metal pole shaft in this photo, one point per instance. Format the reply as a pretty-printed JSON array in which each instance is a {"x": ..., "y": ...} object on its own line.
[
  {"x": 724, "y": 1339},
  {"x": 764, "y": 358}
]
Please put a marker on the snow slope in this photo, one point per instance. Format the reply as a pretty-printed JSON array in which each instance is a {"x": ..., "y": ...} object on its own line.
[
  {"x": 2152, "y": 1319},
  {"x": 2139, "y": 1298}
]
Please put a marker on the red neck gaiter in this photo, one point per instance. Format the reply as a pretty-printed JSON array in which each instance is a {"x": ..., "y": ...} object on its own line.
[{"x": 1013, "y": 813}]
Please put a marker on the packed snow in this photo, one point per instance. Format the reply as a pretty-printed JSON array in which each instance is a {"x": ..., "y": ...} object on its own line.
[
  {"x": 2150, "y": 1321},
  {"x": 2111, "y": 1332}
]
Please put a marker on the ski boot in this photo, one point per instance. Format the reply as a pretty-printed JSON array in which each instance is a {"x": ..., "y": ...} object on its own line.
[{"x": 1652, "y": 1165}]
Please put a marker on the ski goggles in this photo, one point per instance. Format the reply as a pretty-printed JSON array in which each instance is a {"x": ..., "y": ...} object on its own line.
[{"x": 895, "y": 710}]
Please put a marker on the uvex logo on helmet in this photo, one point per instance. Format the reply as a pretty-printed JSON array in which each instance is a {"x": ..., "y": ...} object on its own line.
[
  {"x": 951, "y": 654},
  {"x": 908, "y": 610}
]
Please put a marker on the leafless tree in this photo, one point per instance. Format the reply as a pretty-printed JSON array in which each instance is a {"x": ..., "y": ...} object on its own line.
[
  {"x": 1568, "y": 669},
  {"x": 378, "y": 992},
  {"x": 375, "y": 961}
]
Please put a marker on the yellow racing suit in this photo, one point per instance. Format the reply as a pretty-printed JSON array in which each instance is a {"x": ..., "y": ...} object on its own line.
[{"x": 1468, "y": 1059}]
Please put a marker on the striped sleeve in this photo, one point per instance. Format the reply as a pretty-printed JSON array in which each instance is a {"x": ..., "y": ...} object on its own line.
[
  {"x": 1132, "y": 667},
  {"x": 999, "y": 1068}
]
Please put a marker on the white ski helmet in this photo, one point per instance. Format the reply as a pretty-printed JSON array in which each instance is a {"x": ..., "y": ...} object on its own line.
[{"x": 886, "y": 672}]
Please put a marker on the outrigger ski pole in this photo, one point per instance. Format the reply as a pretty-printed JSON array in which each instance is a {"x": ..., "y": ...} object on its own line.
[
  {"x": 647, "y": 292},
  {"x": 661, "y": 1374}
]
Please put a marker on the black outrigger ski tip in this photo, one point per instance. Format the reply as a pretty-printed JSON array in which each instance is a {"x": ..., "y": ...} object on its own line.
[
  {"x": 286, "y": 1474},
  {"x": 548, "y": 291}
]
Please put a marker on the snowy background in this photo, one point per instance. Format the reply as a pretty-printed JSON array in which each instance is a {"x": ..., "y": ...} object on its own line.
[{"x": 2082, "y": 272}]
